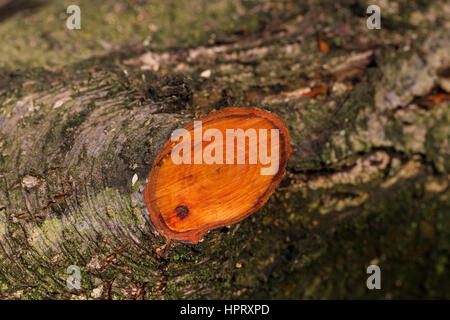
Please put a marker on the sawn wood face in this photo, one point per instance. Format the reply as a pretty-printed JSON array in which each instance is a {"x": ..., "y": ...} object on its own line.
[{"x": 187, "y": 200}]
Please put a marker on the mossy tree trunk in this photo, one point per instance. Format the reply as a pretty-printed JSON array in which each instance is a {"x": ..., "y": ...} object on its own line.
[{"x": 367, "y": 182}]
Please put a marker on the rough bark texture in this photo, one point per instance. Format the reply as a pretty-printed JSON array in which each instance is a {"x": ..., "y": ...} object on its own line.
[{"x": 367, "y": 182}]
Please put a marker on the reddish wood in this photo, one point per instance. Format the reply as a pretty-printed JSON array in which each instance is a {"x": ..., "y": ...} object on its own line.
[{"x": 187, "y": 200}]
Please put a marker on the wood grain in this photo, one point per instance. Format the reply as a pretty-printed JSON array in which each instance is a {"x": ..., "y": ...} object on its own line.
[{"x": 187, "y": 200}]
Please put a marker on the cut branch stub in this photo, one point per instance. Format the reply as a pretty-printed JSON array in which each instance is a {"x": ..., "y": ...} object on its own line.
[{"x": 216, "y": 171}]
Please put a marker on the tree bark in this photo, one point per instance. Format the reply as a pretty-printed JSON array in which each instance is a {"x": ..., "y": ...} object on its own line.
[{"x": 367, "y": 181}]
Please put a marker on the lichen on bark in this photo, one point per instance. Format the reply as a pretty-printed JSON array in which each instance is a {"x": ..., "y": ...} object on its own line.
[{"x": 367, "y": 182}]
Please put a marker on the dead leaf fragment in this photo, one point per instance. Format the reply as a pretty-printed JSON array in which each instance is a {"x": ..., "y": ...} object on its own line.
[
  {"x": 315, "y": 92},
  {"x": 27, "y": 84},
  {"x": 29, "y": 181},
  {"x": 352, "y": 67},
  {"x": 323, "y": 45}
]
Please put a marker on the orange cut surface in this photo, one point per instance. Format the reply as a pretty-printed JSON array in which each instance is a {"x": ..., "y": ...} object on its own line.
[{"x": 187, "y": 200}]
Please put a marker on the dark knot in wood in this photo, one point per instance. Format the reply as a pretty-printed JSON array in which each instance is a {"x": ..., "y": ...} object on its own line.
[{"x": 182, "y": 211}]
